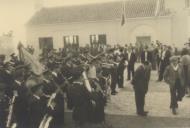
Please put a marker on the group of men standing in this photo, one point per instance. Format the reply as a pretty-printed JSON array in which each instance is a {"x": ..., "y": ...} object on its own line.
[
  {"x": 84, "y": 79},
  {"x": 173, "y": 69}
]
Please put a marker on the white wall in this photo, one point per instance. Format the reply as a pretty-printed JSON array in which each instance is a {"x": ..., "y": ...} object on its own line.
[
  {"x": 188, "y": 22},
  {"x": 175, "y": 5},
  {"x": 157, "y": 28},
  {"x": 84, "y": 30},
  {"x": 180, "y": 28}
]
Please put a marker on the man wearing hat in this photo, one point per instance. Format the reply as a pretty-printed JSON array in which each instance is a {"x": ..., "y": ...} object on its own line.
[
  {"x": 146, "y": 55},
  {"x": 174, "y": 77},
  {"x": 131, "y": 58},
  {"x": 140, "y": 83}
]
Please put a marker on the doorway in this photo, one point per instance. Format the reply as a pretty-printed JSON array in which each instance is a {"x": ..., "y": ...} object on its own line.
[
  {"x": 46, "y": 43},
  {"x": 143, "y": 40}
]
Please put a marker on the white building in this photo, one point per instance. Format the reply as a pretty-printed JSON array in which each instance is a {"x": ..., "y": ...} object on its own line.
[{"x": 146, "y": 20}]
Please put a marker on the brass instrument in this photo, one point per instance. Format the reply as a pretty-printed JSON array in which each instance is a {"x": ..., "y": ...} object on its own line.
[
  {"x": 48, "y": 118},
  {"x": 86, "y": 82}
]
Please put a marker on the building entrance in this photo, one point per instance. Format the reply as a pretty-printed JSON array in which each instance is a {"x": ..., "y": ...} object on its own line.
[
  {"x": 143, "y": 40},
  {"x": 46, "y": 43}
]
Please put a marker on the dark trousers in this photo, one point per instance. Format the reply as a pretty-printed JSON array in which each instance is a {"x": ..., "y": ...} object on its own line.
[
  {"x": 3, "y": 115},
  {"x": 140, "y": 101},
  {"x": 186, "y": 73},
  {"x": 120, "y": 79},
  {"x": 36, "y": 113},
  {"x": 114, "y": 79},
  {"x": 162, "y": 69},
  {"x": 177, "y": 92},
  {"x": 158, "y": 64},
  {"x": 173, "y": 94},
  {"x": 131, "y": 70},
  {"x": 58, "y": 113},
  {"x": 113, "y": 83}
]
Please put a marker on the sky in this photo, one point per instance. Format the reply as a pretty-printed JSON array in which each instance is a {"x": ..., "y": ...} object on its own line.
[{"x": 15, "y": 13}]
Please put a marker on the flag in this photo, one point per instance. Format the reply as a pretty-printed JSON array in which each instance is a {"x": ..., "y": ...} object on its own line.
[
  {"x": 123, "y": 14},
  {"x": 123, "y": 20},
  {"x": 29, "y": 59}
]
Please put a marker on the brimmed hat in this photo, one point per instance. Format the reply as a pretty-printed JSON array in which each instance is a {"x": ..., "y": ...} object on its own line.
[{"x": 174, "y": 58}]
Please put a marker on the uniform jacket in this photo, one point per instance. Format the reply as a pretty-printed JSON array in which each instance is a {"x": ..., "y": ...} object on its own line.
[
  {"x": 141, "y": 79},
  {"x": 170, "y": 77}
]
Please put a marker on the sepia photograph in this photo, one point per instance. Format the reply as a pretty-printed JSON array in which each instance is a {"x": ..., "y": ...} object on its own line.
[{"x": 95, "y": 64}]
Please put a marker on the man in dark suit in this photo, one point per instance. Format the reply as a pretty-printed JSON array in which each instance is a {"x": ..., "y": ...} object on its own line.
[
  {"x": 120, "y": 74},
  {"x": 146, "y": 55},
  {"x": 131, "y": 58},
  {"x": 140, "y": 83},
  {"x": 113, "y": 79},
  {"x": 165, "y": 61}
]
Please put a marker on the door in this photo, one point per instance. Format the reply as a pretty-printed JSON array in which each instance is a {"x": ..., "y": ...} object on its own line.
[
  {"x": 46, "y": 43},
  {"x": 143, "y": 40},
  {"x": 102, "y": 39}
]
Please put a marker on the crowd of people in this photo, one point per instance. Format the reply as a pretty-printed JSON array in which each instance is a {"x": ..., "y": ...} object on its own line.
[{"x": 83, "y": 79}]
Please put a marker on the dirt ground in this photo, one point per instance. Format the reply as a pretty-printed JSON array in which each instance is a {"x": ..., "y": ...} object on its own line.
[{"x": 121, "y": 110}]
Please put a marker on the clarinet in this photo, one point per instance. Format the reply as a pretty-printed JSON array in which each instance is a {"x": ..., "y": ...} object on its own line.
[
  {"x": 10, "y": 114},
  {"x": 47, "y": 118}
]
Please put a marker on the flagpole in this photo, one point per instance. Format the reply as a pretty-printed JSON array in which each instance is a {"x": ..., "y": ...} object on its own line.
[
  {"x": 123, "y": 5},
  {"x": 123, "y": 13}
]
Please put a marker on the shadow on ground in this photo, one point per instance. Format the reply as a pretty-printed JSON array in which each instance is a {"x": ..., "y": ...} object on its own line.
[{"x": 124, "y": 121}]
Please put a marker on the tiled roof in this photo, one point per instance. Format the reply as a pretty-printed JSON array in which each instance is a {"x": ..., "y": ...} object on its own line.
[{"x": 98, "y": 12}]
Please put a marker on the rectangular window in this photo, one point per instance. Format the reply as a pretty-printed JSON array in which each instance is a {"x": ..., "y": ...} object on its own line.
[
  {"x": 76, "y": 39},
  {"x": 93, "y": 39},
  {"x": 46, "y": 42},
  {"x": 100, "y": 39},
  {"x": 66, "y": 39},
  {"x": 71, "y": 40}
]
